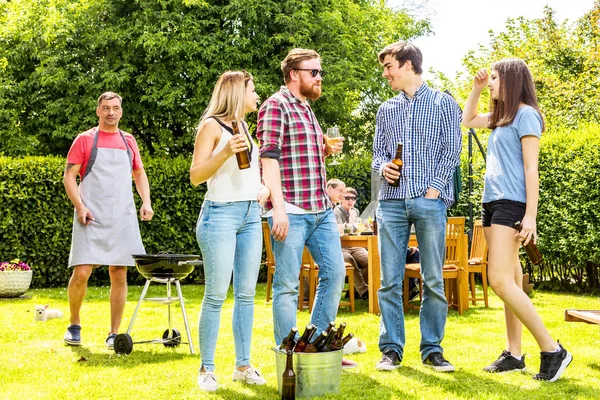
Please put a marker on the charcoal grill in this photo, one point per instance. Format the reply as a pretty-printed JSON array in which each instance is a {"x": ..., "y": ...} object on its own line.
[{"x": 168, "y": 269}]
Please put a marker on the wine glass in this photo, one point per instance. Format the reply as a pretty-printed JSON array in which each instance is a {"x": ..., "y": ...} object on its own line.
[{"x": 334, "y": 136}]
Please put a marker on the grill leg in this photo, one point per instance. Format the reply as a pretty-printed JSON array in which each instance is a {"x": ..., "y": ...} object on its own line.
[
  {"x": 185, "y": 320},
  {"x": 170, "y": 335},
  {"x": 137, "y": 308}
]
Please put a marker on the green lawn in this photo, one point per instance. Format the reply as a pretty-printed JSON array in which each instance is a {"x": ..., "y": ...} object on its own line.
[{"x": 36, "y": 364}]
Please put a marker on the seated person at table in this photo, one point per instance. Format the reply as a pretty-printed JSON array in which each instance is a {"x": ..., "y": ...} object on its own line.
[{"x": 335, "y": 190}]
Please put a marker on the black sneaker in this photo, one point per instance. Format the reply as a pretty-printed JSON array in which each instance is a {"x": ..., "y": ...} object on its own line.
[
  {"x": 553, "y": 364},
  {"x": 73, "y": 335},
  {"x": 439, "y": 364},
  {"x": 506, "y": 363},
  {"x": 390, "y": 360}
]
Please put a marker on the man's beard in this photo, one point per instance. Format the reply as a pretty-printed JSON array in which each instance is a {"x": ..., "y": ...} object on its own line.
[{"x": 311, "y": 92}]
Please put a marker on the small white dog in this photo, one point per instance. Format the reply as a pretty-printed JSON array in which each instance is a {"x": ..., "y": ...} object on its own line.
[{"x": 43, "y": 313}]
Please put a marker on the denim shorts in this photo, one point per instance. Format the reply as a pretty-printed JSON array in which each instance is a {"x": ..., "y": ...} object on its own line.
[{"x": 502, "y": 212}]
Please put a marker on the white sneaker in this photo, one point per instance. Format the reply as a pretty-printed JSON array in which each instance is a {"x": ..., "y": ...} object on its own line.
[
  {"x": 250, "y": 376},
  {"x": 207, "y": 381}
]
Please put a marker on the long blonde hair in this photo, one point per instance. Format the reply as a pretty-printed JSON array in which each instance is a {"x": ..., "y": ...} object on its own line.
[{"x": 227, "y": 101}]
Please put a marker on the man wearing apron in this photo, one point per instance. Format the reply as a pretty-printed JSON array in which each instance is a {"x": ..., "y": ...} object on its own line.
[{"x": 105, "y": 226}]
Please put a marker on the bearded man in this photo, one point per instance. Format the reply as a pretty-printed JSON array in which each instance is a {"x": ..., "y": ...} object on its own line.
[{"x": 292, "y": 151}]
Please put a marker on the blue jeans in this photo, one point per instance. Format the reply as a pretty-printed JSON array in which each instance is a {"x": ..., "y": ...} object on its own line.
[
  {"x": 394, "y": 219},
  {"x": 319, "y": 233},
  {"x": 230, "y": 237}
]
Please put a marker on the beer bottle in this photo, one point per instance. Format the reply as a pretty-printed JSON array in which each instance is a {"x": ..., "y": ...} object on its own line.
[
  {"x": 347, "y": 339},
  {"x": 289, "y": 341},
  {"x": 375, "y": 224},
  {"x": 288, "y": 379},
  {"x": 340, "y": 332},
  {"x": 317, "y": 343},
  {"x": 327, "y": 344},
  {"x": 530, "y": 248},
  {"x": 398, "y": 161},
  {"x": 330, "y": 326},
  {"x": 336, "y": 343},
  {"x": 243, "y": 157},
  {"x": 305, "y": 338}
]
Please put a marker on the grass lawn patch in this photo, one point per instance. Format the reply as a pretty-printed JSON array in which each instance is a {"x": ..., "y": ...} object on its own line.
[{"x": 37, "y": 365}]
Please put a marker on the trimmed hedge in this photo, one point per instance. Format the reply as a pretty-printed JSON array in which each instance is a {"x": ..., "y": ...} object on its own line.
[
  {"x": 569, "y": 212},
  {"x": 36, "y": 215}
]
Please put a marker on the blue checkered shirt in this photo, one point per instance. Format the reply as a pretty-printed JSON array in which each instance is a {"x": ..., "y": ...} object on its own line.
[{"x": 428, "y": 125}]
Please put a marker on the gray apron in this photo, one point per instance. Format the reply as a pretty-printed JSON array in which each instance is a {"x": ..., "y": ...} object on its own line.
[{"x": 106, "y": 190}]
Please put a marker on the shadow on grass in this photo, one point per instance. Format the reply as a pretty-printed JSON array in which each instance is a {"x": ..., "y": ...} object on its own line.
[
  {"x": 595, "y": 367},
  {"x": 481, "y": 386},
  {"x": 87, "y": 358},
  {"x": 25, "y": 296},
  {"x": 259, "y": 392}
]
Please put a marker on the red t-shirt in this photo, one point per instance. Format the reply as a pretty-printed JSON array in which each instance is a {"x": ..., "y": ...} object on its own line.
[{"x": 81, "y": 149}]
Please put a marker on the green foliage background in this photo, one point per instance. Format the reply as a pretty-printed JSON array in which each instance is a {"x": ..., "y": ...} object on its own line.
[
  {"x": 164, "y": 57},
  {"x": 57, "y": 56},
  {"x": 36, "y": 216}
]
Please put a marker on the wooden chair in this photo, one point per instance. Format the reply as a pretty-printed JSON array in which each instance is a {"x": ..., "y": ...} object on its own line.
[
  {"x": 310, "y": 271},
  {"x": 478, "y": 263},
  {"x": 454, "y": 270},
  {"x": 269, "y": 258}
]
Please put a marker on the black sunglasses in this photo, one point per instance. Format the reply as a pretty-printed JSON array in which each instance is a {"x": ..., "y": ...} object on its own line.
[
  {"x": 348, "y": 198},
  {"x": 313, "y": 72}
]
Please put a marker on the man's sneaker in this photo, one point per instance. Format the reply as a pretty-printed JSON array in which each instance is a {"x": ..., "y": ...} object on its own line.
[
  {"x": 73, "y": 335},
  {"x": 506, "y": 363},
  {"x": 347, "y": 364},
  {"x": 207, "y": 381},
  {"x": 390, "y": 360},
  {"x": 250, "y": 376},
  {"x": 110, "y": 341},
  {"x": 439, "y": 364},
  {"x": 553, "y": 364}
]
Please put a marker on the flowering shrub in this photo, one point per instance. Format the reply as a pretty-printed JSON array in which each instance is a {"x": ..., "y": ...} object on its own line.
[{"x": 14, "y": 265}]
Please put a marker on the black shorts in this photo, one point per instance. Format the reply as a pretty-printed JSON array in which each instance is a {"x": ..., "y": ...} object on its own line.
[{"x": 502, "y": 212}]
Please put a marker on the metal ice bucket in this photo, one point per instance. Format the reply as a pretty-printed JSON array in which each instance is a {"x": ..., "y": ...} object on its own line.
[{"x": 317, "y": 374}]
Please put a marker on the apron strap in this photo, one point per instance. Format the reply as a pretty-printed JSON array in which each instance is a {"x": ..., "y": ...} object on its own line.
[
  {"x": 94, "y": 153},
  {"x": 129, "y": 152}
]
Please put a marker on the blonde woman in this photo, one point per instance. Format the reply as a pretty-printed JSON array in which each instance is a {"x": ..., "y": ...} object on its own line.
[
  {"x": 511, "y": 191},
  {"x": 229, "y": 226}
]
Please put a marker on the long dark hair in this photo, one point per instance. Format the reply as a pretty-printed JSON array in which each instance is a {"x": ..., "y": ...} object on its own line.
[{"x": 516, "y": 87}]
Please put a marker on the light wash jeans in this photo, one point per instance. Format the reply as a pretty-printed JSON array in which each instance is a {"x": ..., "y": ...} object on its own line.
[
  {"x": 319, "y": 232},
  {"x": 230, "y": 237},
  {"x": 394, "y": 219}
]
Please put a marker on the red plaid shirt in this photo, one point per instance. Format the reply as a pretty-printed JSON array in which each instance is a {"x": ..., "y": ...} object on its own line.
[{"x": 289, "y": 132}]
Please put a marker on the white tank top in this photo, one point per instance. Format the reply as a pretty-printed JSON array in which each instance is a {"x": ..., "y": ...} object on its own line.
[{"x": 229, "y": 183}]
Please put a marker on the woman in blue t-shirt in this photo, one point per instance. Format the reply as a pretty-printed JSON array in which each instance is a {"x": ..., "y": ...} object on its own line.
[{"x": 511, "y": 191}]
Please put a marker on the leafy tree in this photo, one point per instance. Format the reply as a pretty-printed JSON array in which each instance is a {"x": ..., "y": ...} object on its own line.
[
  {"x": 564, "y": 60},
  {"x": 163, "y": 57}
]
